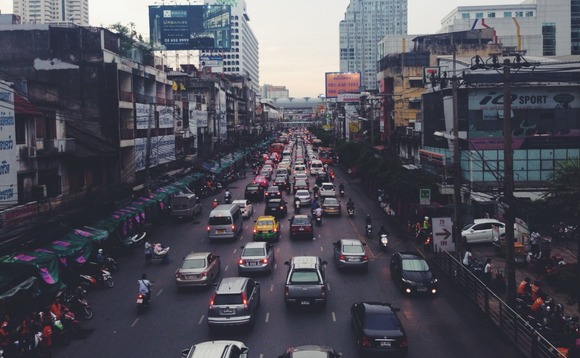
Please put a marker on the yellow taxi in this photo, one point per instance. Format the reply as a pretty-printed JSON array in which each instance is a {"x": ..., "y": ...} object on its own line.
[{"x": 266, "y": 228}]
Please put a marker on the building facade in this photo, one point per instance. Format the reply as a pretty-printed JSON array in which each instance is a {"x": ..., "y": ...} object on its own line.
[
  {"x": 365, "y": 23},
  {"x": 273, "y": 92},
  {"x": 52, "y": 11},
  {"x": 539, "y": 27}
]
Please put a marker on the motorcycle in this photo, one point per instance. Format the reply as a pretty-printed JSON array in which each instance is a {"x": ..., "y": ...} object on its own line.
[
  {"x": 297, "y": 206},
  {"x": 110, "y": 264},
  {"x": 134, "y": 239},
  {"x": 383, "y": 241},
  {"x": 103, "y": 278},
  {"x": 341, "y": 190},
  {"x": 160, "y": 253},
  {"x": 228, "y": 197},
  {"x": 369, "y": 231},
  {"x": 350, "y": 212},
  {"x": 318, "y": 219},
  {"x": 142, "y": 301},
  {"x": 75, "y": 300}
]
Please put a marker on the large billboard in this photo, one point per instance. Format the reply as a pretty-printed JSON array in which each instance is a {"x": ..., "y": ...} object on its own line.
[
  {"x": 190, "y": 27},
  {"x": 342, "y": 82},
  {"x": 8, "y": 149}
]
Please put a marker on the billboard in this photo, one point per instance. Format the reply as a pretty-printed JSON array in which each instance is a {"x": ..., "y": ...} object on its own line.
[
  {"x": 190, "y": 27},
  {"x": 341, "y": 82},
  {"x": 8, "y": 149}
]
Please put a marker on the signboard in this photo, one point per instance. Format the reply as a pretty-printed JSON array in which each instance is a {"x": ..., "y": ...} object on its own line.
[
  {"x": 342, "y": 82},
  {"x": 199, "y": 117},
  {"x": 162, "y": 151},
  {"x": 190, "y": 27},
  {"x": 428, "y": 72},
  {"x": 166, "y": 116},
  {"x": 424, "y": 196},
  {"x": 143, "y": 117},
  {"x": 442, "y": 233},
  {"x": 525, "y": 98},
  {"x": 8, "y": 149},
  {"x": 348, "y": 97}
]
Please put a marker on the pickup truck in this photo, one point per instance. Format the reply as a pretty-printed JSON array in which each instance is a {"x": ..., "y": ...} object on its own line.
[
  {"x": 306, "y": 282},
  {"x": 185, "y": 205}
]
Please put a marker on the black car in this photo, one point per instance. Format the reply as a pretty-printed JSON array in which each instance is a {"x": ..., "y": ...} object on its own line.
[
  {"x": 322, "y": 177},
  {"x": 301, "y": 226},
  {"x": 273, "y": 192},
  {"x": 411, "y": 273},
  {"x": 377, "y": 329},
  {"x": 276, "y": 208},
  {"x": 300, "y": 184},
  {"x": 282, "y": 182},
  {"x": 311, "y": 351},
  {"x": 254, "y": 192}
]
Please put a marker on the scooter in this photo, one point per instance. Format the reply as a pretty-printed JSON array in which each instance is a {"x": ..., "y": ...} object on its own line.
[
  {"x": 350, "y": 212},
  {"x": 75, "y": 300},
  {"x": 88, "y": 281},
  {"x": 369, "y": 231},
  {"x": 318, "y": 219},
  {"x": 160, "y": 253},
  {"x": 297, "y": 206},
  {"x": 143, "y": 301},
  {"x": 383, "y": 241},
  {"x": 341, "y": 192},
  {"x": 228, "y": 197}
]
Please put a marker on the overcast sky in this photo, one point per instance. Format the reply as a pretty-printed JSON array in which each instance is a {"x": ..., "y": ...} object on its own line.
[{"x": 298, "y": 38}]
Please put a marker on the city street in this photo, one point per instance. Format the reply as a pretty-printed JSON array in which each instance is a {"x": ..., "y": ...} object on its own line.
[{"x": 444, "y": 326}]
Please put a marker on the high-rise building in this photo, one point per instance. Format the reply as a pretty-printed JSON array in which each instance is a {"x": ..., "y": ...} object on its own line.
[
  {"x": 365, "y": 23},
  {"x": 243, "y": 57},
  {"x": 273, "y": 92},
  {"x": 52, "y": 11}
]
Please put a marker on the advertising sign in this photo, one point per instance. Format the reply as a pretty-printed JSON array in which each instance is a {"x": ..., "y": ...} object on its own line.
[
  {"x": 8, "y": 161},
  {"x": 166, "y": 116},
  {"x": 342, "y": 82},
  {"x": 162, "y": 151},
  {"x": 190, "y": 27},
  {"x": 442, "y": 233},
  {"x": 199, "y": 117},
  {"x": 424, "y": 196},
  {"x": 143, "y": 117},
  {"x": 348, "y": 97}
]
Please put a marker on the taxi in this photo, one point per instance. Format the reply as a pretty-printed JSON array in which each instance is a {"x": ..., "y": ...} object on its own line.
[{"x": 266, "y": 228}]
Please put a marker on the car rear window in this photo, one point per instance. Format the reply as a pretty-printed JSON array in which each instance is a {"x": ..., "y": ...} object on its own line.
[
  {"x": 220, "y": 220},
  {"x": 415, "y": 265},
  {"x": 253, "y": 251},
  {"x": 265, "y": 222},
  {"x": 227, "y": 299},
  {"x": 193, "y": 264},
  {"x": 352, "y": 249},
  {"x": 382, "y": 322},
  {"x": 304, "y": 277}
]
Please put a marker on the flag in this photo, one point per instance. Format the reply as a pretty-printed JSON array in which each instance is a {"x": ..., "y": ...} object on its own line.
[
  {"x": 181, "y": 86},
  {"x": 174, "y": 86}
]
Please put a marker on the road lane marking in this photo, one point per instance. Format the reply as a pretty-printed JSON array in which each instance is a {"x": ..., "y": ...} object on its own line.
[
  {"x": 275, "y": 266},
  {"x": 235, "y": 250},
  {"x": 333, "y": 317},
  {"x": 227, "y": 266},
  {"x": 267, "y": 317},
  {"x": 261, "y": 355},
  {"x": 158, "y": 293},
  {"x": 135, "y": 322},
  {"x": 271, "y": 287},
  {"x": 321, "y": 248},
  {"x": 328, "y": 286},
  {"x": 201, "y": 319}
]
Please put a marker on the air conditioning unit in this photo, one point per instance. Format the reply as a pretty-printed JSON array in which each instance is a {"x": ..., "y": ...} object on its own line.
[
  {"x": 32, "y": 152},
  {"x": 409, "y": 131},
  {"x": 23, "y": 153}
]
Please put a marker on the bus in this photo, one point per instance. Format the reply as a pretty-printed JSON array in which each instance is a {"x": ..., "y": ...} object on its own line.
[
  {"x": 277, "y": 148},
  {"x": 326, "y": 155}
]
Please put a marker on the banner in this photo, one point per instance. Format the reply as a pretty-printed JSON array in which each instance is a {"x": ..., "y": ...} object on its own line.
[{"x": 8, "y": 149}]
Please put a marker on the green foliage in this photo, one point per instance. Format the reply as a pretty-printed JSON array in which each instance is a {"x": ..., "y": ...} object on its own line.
[
  {"x": 129, "y": 38},
  {"x": 565, "y": 190}
]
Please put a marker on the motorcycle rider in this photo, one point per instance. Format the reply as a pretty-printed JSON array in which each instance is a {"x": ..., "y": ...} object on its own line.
[
  {"x": 145, "y": 287},
  {"x": 296, "y": 203},
  {"x": 317, "y": 213},
  {"x": 382, "y": 231},
  {"x": 100, "y": 256},
  {"x": 341, "y": 188},
  {"x": 58, "y": 309},
  {"x": 214, "y": 203},
  {"x": 227, "y": 196},
  {"x": 368, "y": 220},
  {"x": 350, "y": 204},
  {"x": 315, "y": 191},
  {"x": 148, "y": 252},
  {"x": 525, "y": 289}
]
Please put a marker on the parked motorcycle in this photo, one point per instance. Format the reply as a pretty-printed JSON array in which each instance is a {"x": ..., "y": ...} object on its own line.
[
  {"x": 103, "y": 278},
  {"x": 383, "y": 241},
  {"x": 110, "y": 264},
  {"x": 75, "y": 300}
]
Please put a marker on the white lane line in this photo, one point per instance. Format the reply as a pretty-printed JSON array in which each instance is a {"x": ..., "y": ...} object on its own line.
[
  {"x": 235, "y": 250},
  {"x": 227, "y": 266},
  {"x": 267, "y": 317},
  {"x": 328, "y": 286},
  {"x": 333, "y": 317},
  {"x": 158, "y": 293},
  {"x": 261, "y": 355},
  {"x": 134, "y": 322},
  {"x": 271, "y": 287},
  {"x": 201, "y": 319},
  {"x": 321, "y": 248},
  {"x": 275, "y": 266}
]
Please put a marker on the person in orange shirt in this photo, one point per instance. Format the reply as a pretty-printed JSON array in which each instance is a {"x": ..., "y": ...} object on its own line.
[
  {"x": 535, "y": 290},
  {"x": 524, "y": 288}
]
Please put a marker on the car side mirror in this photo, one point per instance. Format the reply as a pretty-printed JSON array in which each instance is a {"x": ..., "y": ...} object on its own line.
[
  {"x": 185, "y": 352},
  {"x": 287, "y": 263},
  {"x": 324, "y": 263}
]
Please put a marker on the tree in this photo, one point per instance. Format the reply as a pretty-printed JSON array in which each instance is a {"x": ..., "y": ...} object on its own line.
[{"x": 129, "y": 38}]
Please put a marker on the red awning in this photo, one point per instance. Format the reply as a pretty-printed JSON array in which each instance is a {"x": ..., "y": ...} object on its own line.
[{"x": 24, "y": 107}]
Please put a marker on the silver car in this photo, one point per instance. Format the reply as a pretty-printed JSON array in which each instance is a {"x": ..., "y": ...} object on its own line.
[
  {"x": 350, "y": 254},
  {"x": 304, "y": 196},
  {"x": 198, "y": 269},
  {"x": 256, "y": 257},
  {"x": 246, "y": 207}
]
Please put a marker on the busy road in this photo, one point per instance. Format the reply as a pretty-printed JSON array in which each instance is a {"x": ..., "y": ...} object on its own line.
[{"x": 446, "y": 325}]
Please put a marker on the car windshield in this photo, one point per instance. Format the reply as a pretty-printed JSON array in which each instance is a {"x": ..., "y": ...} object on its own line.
[
  {"x": 302, "y": 193},
  {"x": 253, "y": 251},
  {"x": 327, "y": 187},
  {"x": 305, "y": 277},
  {"x": 227, "y": 299},
  {"x": 353, "y": 249},
  {"x": 220, "y": 220},
  {"x": 265, "y": 223},
  {"x": 301, "y": 183},
  {"x": 300, "y": 221},
  {"x": 415, "y": 265},
  {"x": 253, "y": 187},
  {"x": 330, "y": 202},
  {"x": 193, "y": 264},
  {"x": 466, "y": 227},
  {"x": 381, "y": 322}
]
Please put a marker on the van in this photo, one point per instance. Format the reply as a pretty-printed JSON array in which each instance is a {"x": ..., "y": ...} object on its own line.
[
  {"x": 185, "y": 205},
  {"x": 316, "y": 167},
  {"x": 225, "y": 222}
]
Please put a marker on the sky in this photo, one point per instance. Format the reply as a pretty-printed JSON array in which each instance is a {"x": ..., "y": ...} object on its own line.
[{"x": 298, "y": 38}]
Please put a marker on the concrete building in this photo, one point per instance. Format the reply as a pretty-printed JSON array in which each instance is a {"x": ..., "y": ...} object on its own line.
[
  {"x": 539, "y": 27},
  {"x": 243, "y": 58},
  {"x": 365, "y": 24},
  {"x": 52, "y": 11},
  {"x": 273, "y": 92}
]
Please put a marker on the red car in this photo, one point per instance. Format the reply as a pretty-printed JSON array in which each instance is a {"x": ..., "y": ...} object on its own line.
[{"x": 261, "y": 180}]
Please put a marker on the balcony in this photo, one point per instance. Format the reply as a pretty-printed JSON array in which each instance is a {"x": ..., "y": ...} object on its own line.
[
  {"x": 47, "y": 148},
  {"x": 126, "y": 96}
]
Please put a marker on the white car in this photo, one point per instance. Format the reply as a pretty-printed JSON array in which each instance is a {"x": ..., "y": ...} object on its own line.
[
  {"x": 327, "y": 190},
  {"x": 246, "y": 207},
  {"x": 304, "y": 196},
  {"x": 481, "y": 230},
  {"x": 300, "y": 168}
]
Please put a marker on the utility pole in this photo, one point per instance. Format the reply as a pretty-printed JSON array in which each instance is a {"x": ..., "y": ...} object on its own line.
[
  {"x": 508, "y": 180},
  {"x": 148, "y": 150},
  {"x": 456, "y": 163}
]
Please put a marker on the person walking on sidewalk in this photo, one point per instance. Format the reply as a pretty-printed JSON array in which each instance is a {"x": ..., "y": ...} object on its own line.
[
  {"x": 487, "y": 272},
  {"x": 468, "y": 256}
]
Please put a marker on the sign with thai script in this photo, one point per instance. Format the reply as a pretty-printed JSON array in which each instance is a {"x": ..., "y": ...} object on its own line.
[
  {"x": 162, "y": 150},
  {"x": 8, "y": 150},
  {"x": 166, "y": 116},
  {"x": 199, "y": 117},
  {"x": 143, "y": 117},
  {"x": 342, "y": 82}
]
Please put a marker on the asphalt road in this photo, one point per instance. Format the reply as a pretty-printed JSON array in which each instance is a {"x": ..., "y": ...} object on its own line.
[{"x": 444, "y": 326}]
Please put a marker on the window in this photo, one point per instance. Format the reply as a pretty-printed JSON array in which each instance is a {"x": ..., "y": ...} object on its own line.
[
  {"x": 465, "y": 16},
  {"x": 529, "y": 14},
  {"x": 507, "y": 14},
  {"x": 491, "y": 14},
  {"x": 479, "y": 15},
  {"x": 519, "y": 14}
]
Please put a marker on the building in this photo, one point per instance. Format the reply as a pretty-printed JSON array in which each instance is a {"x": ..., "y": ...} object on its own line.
[
  {"x": 365, "y": 24},
  {"x": 273, "y": 92},
  {"x": 243, "y": 57},
  {"x": 539, "y": 27},
  {"x": 52, "y": 11}
]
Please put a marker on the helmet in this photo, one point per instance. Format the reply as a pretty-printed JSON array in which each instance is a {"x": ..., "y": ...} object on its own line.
[
  {"x": 426, "y": 218},
  {"x": 144, "y": 276},
  {"x": 100, "y": 251},
  {"x": 215, "y": 200}
]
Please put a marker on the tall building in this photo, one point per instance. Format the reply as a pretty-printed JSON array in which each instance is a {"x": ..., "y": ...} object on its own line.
[
  {"x": 52, "y": 11},
  {"x": 540, "y": 27},
  {"x": 365, "y": 23},
  {"x": 273, "y": 92},
  {"x": 243, "y": 57}
]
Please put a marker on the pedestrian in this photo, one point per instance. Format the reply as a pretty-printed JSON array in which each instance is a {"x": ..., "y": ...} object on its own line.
[
  {"x": 535, "y": 243},
  {"x": 468, "y": 256},
  {"x": 487, "y": 272},
  {"x": 148, "y": 252}
]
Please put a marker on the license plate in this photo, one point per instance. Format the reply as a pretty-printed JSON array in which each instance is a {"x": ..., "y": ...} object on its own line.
[
  {"x": 385, "y": 344},
  {"x": 228, "y": 312},
  {"x": 353, "y": 259},
  {"x": 139, "y": 300},
  {"x": 422, "y": 289},
  {"x": 305, "y": 303},
  {"x": 220, "y": 231},
  {"x": 252, "y": 263}
]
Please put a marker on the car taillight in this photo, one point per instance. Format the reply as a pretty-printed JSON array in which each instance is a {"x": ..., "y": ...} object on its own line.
[
  {"x": 275, "y": 229},
  {"x": 286, "y": 291},
  {"x": 203, "y": 274},
  {"x": 281, "y": 207},
  {"x": 208, "y": 228},
  {"x": 404, "y": 342},
  {"x": 244, "y": 299},
  {"x": 233, "y": 227},
  {"x": 241, "y": 262},
  {"x": 365, "y": 258},
  {"x": 342, "y": 257},
  {"x": 265, "y": 261},
  {"x": 211, "y": 300},
  {"x": 255, "y": 231},
  {"x": 365, "y": 342}
]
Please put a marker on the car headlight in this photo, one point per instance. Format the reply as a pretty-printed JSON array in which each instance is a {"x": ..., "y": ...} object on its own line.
[
  {"x": 434, "y": 280},
  {"x": 384, "y": 240},
  {"x": 407, "y": 281}
]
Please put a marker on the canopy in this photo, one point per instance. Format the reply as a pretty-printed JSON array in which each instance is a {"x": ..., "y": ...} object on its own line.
[
  {"x": 73, "y": 248},
  {"x": 45, "y": 262}
]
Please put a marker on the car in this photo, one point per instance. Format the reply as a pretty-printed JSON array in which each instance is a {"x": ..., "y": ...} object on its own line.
[
  {"x": 256, "y": 257},
  {"x": 234, "y": 303},
  {"x": 230, "y": 349},
  {"x": 246, "y": 207},
  {"x": 327, "y": 190},
  {"x": 299, "y": 168},
  {"x": 276, "y": 207},
  {"x": 266, "y": 228},
  {"x": 412, "y": 274},
  {"x": 350, "y": 253},
  {"x": 269, "y": 167},
  {"x": 266, "y": 173},
  {"x": 198, "y": 269},
  {"x": 481, "y": 230},
  {"x": 378, "y": 330},
  {"x": 254, "y": 192},
  {"x": 304, "y": 196},
  {"x": 305, "y": 283},
  {"x": 282, "y": 171},
  {"x": 261, "y": 181},
  {"x": 331, "y": 206},
  {"x": 301, "y": 227},
  {"x": 283, "y": 183},
  {"x": 273, "y": 192},
  {"x": 312, "y": 351},
  {"x": 322, "y": 177},
  {"x": 301, "y": 185},
  {"x": 301, "y": 176}
]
